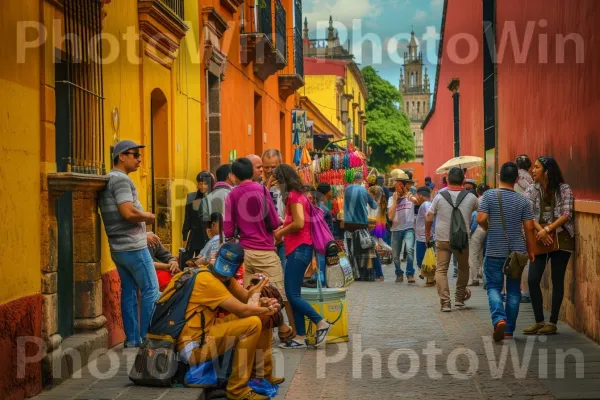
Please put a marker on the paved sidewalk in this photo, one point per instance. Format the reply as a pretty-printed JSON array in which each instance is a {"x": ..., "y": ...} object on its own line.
[
  {"x": 391, "y": 325},
  {"x": 106, "y": 378}
]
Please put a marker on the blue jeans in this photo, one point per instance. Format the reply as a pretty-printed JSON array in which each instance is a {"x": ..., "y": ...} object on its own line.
[
  {"x": 136, "y": 270},
  {"x": 494, "y": 278},
  {"x": 421, "y": 249},
  {"x": 377, "y": 266},
  {"x": 281, "y": 254},
  {"x": 407, "y": 237},
  {"x": 297, "y": 262}
]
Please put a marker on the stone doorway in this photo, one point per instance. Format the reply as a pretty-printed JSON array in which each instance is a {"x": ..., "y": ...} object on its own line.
[{"x": 159, "y": 187}]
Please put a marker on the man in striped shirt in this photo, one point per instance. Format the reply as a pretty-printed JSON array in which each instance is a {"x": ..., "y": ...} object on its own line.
[
  {"x": 125, "y": 222},
  {"x": 516, "y": 211}
]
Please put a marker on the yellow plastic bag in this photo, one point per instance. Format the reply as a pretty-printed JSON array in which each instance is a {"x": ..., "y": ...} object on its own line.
[{"x": 429, "y": 263}]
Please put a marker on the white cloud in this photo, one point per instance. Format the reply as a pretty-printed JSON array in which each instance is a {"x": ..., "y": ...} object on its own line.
[
  {"x": 437, "y": 3},
  {"x": 342, "y": 11},
  {"x": 420, "y": 15}
]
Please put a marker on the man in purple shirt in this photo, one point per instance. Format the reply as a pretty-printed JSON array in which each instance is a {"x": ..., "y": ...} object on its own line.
[
  {"x": 250, "y": 213},
  {"x": 251, "y": 216}
]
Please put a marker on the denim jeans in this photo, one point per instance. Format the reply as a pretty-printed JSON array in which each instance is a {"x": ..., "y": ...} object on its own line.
[
  {"x": 297, "y": 262},
  {"x": 494, "y": 278},
  {"x": 377, "y": 267},
  {"x": 136, "y": 270},
  {"x": 281, "y": 254},
  {"x": 406, "y": 237},
  {"x": 421, "y": 248}
]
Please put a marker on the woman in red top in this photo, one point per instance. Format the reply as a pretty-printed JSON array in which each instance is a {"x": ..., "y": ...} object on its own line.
[{"x": 299, "y": 252}]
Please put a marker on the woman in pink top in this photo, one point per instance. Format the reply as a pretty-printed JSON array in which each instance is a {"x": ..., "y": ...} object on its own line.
[{"x": 299, "y": 252}]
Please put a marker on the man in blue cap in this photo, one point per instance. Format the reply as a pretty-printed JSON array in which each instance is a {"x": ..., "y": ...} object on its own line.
[
  {"x": 205, "y": 337},
  {"x": 125, "y": 223}
]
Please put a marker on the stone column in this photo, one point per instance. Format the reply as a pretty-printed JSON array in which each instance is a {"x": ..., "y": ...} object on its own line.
[
  {"x": 87, "y": 272},
  {"x": 49, "y": 267}
]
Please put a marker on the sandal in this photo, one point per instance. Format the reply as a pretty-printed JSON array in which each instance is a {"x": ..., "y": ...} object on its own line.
[
  {"x": 321, "y": 335},
  {"x": 286, "y": 336},
  {"x": 292, "y": 344}
]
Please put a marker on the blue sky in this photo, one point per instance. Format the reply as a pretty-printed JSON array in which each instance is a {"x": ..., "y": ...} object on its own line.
[{"x": 387, "y": 22}]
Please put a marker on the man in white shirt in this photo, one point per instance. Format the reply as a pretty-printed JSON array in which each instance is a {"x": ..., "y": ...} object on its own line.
[
  {"x": 401, "y": 213},
  {"x": 466, "y": 202}
]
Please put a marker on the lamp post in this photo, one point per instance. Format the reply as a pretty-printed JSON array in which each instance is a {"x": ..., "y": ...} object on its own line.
[{"x": 454, "y": 87}]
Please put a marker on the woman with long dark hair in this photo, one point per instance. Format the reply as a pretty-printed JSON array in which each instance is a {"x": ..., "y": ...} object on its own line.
[
  {"x": 194, "y": 228},
  {"x": 299, "y": 253},
  {"x": 552, "y": 201}
]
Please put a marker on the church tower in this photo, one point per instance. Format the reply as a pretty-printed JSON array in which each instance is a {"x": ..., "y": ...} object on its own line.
[{"x": 415, "y": 89}]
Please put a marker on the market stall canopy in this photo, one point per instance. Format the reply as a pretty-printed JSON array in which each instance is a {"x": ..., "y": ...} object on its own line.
[{"x": 467, "y": 162}]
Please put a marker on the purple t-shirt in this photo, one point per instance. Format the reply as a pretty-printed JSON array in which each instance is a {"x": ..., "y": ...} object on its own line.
[{"x": 245, "y": 209}]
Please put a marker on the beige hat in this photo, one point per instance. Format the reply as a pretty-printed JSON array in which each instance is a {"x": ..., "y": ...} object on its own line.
[
  {"x": 399, "y": 175},
  {"x": 394, "y": 174}
]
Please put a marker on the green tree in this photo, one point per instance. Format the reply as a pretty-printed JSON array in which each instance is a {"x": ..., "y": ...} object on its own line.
[{"x": 388, "y": 131}]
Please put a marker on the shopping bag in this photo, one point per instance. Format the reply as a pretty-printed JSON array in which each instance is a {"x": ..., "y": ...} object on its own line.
[{"x": 429, "y": 263}]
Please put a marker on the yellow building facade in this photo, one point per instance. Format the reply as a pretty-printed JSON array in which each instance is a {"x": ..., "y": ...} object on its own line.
[
  {"x": 80, "y": 75},
  {"x": 337, "y": 89},
  {"x": 60, "y": 100}
]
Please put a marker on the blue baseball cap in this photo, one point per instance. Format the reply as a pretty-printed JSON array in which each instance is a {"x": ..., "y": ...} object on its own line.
[
  {"x": 125, "y": 145},
  {"x": 229, "y": 259}
]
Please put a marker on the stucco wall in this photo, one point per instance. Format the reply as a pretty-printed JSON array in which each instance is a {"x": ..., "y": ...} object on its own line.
[
  {"x": 321, "y": 90},
  {"x": 552, "y": 108},
  {"x": 464, "y": 19},
  {"x": 19, "y": 157}
]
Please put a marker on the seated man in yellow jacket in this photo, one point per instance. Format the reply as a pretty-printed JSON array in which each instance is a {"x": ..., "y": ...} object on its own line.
[{"x": 205, "y": 337}]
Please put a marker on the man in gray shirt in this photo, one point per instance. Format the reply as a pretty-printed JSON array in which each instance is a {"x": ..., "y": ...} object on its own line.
[
  {"x": 443, "y": 208},
  {"x": 125, "y": 224}
]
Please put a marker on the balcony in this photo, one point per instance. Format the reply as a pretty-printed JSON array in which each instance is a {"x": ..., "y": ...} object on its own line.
[
  {"x": 162, "y": 27},
  {"x": 176, "y": 6},
  {"x": 231, "y": 5},
  {"x": 293, "y": 79},
  {"x": 258, "y": 46}
]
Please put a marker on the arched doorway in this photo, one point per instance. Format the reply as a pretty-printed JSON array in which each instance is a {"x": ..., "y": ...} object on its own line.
[{"x": 159, "y": 190}]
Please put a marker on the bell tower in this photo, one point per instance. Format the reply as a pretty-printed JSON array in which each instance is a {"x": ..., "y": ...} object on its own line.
[{"x": 415, "y": 89}]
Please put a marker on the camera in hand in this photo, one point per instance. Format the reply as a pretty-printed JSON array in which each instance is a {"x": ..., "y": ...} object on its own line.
[{"x": 256, "y": 281}]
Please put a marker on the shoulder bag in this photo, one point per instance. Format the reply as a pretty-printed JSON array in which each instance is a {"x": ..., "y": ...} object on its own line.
[
  {"x": 515, "y": 262},
  {"x": 539, "y": 247}
]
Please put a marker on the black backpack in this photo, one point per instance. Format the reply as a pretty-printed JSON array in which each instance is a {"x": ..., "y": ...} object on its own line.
[
  {"x": 156, "y": 363},
  {"x": 459, "y": 237}
]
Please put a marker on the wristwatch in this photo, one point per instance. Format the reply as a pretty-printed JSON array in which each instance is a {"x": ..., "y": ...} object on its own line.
[{"x": 547, "y": 229}]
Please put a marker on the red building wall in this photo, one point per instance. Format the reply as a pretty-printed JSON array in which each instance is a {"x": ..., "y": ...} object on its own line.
[
  {"x": 552, "y": 108},
  {"x": 462, "y": 58}
]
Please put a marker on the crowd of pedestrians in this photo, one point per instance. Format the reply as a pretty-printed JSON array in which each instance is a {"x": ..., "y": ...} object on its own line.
[{"x": 250, "y": 226}]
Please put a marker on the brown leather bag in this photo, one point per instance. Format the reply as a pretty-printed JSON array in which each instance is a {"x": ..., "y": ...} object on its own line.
[{"x": 539, "y": 247}]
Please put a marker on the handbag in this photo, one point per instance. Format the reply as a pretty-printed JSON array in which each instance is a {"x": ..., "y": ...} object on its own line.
[
  {"x": 319, "y": 230},
  {"x": 515, "y": 262},
  {"x": 539, "y": 247},
  {"x": 366, "y": 240}
]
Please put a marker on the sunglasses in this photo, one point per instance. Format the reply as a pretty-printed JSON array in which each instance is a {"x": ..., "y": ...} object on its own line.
[{"x": 135, "y": 155}]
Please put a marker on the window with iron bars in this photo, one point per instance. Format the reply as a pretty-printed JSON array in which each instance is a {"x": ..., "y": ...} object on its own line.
[
  {"x": 298, "y": 44},
  {"x": 281, "y": 29},
  {"x": 82, "y": 83},
  {"x": 176, "y": 6},
  {"x": 264, "y": 15}
]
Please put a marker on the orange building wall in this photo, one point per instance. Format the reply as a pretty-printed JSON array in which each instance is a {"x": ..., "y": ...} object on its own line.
[
  {"x": 238, "y": 90},
  {"x": 418, "y": 170}
]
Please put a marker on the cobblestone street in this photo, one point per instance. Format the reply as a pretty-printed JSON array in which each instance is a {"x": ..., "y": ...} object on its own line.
[{"x": 398, "y": 329}]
